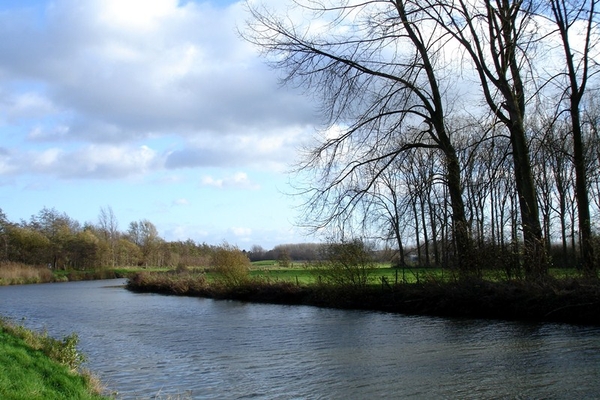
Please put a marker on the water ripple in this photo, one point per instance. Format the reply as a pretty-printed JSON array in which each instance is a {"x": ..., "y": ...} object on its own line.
[{"x": 146, "y": 346}]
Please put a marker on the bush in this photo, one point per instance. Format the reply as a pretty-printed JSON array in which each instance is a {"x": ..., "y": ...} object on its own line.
[
  {"x": 231, "y": 265},
  {"x": 346, "y": 264}
]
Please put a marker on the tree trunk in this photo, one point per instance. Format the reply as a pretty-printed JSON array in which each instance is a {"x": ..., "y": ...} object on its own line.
[{"x": 535, "y": 260}]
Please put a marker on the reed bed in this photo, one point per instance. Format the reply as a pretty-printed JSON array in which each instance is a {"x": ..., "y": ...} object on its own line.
[{"x": 12, "y": 273}]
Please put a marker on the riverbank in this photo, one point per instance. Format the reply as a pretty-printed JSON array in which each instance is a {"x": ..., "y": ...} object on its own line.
[
  {"x": 574, "y": 301},
  {"x": 35, "y": 366},
  {"x": 12, "y": 273}
]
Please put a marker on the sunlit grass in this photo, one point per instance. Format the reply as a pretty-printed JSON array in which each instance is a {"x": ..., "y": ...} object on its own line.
[
  {"x": 35, "y": 366},
  {"x": 303, "y": 273}
]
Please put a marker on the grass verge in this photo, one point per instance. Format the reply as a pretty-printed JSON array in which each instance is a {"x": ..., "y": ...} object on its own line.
[{"x": 36, "y": 366}]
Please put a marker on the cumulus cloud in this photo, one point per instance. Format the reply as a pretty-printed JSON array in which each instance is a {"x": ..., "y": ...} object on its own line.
[
  {"x": 147, "y": 65},
  {"x": 239, "y": 180},
  {"x": 117, "y": 73},
  {"x": 239, "y": 231},
  {"x": 94, "y": 161},
  {"x": 27, "y": 105},
  {"x": 265, "y": 150}
]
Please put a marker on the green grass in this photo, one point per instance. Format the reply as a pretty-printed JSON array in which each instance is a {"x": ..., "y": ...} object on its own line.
[
  {"x": 302, "y": 274},
  {"x": 28, "y": 373},
  {"x": 265, "y": 263}
]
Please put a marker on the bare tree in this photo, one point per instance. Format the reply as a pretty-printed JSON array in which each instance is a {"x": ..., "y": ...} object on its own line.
[
  {"x": 495, "y": 36},
  {"x": 109, "y": 228},
  {"x": 568, "y": 15},
  {"x": 384, "y": 87}
]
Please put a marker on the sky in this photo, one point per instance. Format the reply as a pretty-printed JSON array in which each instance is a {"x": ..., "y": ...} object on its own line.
[{"x": 154, "y": 108}]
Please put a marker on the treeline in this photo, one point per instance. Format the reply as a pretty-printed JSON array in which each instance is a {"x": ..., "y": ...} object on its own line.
[
  {"x": 410, "y": 203},
  {"x": 292, "y": 252},
  {"x": 53, "y": 239},
  {"x": 310, "y": 252}
]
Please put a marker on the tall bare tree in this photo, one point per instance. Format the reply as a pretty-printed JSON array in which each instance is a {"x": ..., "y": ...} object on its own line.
[
  {"x": 578, "y": 18},
  {"x": 384, "y": 87},
  {"x": 496, "y": 36}
]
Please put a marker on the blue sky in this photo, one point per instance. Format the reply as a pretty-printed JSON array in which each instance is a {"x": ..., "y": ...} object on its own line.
[{"x": 155, "y": 108}]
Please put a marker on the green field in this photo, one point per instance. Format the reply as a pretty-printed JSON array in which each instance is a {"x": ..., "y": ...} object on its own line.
[{"x": 302, "y": 273}]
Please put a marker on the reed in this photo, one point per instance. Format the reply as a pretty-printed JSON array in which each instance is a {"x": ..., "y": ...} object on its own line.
[{"x": 12, "y": 273}]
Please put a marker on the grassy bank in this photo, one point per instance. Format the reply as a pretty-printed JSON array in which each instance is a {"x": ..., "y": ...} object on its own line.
[
  {"x": 36, "y": 366},
  {"x": 566, "y": 299}
]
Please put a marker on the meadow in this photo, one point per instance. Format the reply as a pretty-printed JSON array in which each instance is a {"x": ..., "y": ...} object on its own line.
[{"x": 381, "y": 273}]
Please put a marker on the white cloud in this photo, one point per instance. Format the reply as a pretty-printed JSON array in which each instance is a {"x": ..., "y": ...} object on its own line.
[
  {"x": 238, "y": 231},
  {"x": 238, "y": 180},
  {"x": 136, "y": 15},
  {"x": 124, "y": 71},
  {"x": 92, "y": 162},
  {"x": 28, "y": 105},
  {"x": 181, "y": 202}
]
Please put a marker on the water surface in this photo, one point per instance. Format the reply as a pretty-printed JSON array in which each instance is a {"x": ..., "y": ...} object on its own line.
[{"x": 147, "y": 345}]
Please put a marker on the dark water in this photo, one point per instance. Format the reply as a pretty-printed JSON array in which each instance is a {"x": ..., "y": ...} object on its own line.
[{"x": 151, "y": 346}]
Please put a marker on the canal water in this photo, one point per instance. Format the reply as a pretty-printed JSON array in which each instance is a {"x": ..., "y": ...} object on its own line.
[{"x": 146, "y": 346}]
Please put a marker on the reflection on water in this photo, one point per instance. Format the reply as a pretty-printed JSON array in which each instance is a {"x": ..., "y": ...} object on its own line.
[{"x": 142, "y": 345}]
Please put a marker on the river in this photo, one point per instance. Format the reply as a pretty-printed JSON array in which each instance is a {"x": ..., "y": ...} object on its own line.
[{"x": 147, "y": 346}]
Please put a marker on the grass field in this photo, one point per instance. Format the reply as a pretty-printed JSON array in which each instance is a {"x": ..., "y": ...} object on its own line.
[{"x": 302, "y": 273}]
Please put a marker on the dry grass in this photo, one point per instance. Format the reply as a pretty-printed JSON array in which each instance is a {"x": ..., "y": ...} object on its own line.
[
  {"x": 12, "y": 273},
  {"x": 175, "y": 283}
]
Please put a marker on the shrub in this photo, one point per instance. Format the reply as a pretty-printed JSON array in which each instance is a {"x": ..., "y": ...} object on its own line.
[
  {"x": 346, "y": 264},
  {"x": 231, "y": 265}
]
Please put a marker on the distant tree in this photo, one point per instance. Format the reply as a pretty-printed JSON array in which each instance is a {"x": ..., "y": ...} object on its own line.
[
  {"x": 145, "y": 235},
  {"x": 28, "y": 246},
  {"x": 256, "y": 253},
  {"x": 58, "y": 228},
  {"x": 84, "y": 250},
  {"x": 128, "y": 253},
  {"x": 284, "y": 259},
  {"x": 4, "y": 227},
  {"x": 109, "y": 229}
]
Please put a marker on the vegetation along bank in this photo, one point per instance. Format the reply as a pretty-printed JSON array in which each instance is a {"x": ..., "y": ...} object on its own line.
[
  {"x": 36, "y": 366},
  {"x": 349, "y": 279}
]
